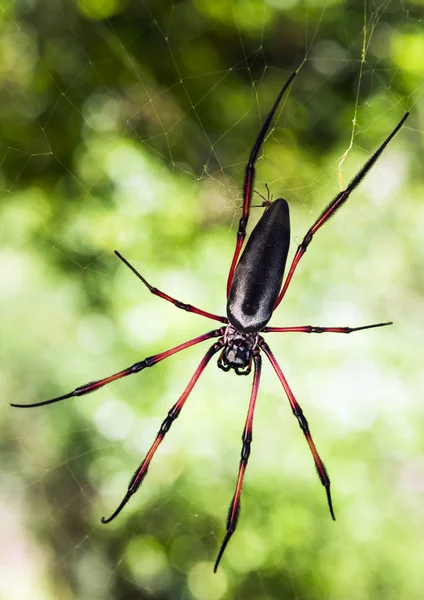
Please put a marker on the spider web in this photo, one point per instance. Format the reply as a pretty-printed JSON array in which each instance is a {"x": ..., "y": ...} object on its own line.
[{"x": 128, "y": 125}]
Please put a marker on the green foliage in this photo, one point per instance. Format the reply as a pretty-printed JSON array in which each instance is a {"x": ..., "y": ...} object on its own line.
[{"x": 128, "y": 125}]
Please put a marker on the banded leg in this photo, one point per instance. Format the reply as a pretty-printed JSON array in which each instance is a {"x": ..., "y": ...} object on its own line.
[
  {"x": 141, "y": 472},
  {"x": 315, "y": 329},
  {"x": 249, "y": 178},
  {"x": 234, "y": 511},
  {"x": 177, "y": 303},
  {"x": 135, "y": 368},
  {"x": 334, "y": 205},
  {"x": 298, "y": 413}
]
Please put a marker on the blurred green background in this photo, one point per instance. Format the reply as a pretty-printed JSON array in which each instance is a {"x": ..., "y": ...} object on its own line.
[{"x": 127, "y": 124}]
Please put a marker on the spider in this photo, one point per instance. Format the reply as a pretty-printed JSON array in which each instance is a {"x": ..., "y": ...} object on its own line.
[{"x": 254, "y": 290}]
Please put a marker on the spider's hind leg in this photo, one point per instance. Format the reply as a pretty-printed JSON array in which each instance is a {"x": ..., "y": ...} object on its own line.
[{"x": 174, "y": 301}]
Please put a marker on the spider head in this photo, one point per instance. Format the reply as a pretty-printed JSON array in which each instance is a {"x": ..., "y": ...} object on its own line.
[{"x": 237, "y": 352}]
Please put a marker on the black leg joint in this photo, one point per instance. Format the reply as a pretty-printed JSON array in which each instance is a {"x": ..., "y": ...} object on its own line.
[
  {"x": 143, "y": 364},
  {"x": 301, "y": 420},
  {"x": 164, "y": 428},
  {"x": 306, "y": 241},
  {"x": 242, "y": 227},
  {"x": 166, "y": 425},
  {"x": 245, "y": 452},
  {"x": 182, "y": 305}
]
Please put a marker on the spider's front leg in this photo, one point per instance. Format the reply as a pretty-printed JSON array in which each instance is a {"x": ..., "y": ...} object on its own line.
[
  {"x": 92, "y": 386},
  {"x": 141, "y": 472},
  {"x": 318, "y": 329},
  {"x": 233, "y": 513},
  {"x": 303, "y": 424}
]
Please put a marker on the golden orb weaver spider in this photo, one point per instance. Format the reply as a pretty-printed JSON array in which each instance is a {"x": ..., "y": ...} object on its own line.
[{"x": 254, "y": 290}]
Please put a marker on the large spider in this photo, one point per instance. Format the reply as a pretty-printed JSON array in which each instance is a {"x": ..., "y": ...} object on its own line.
[{"x": 254, "y": 290}]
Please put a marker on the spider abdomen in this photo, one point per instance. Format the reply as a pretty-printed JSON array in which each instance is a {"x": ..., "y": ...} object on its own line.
[{"x": 259, "y": 272}]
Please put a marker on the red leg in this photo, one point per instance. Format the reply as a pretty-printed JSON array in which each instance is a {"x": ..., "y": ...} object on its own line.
[
  {"x": 141, "y": 472},
  {"x": 135, "y": 368},
  {"x": 177, "y": 303},
  {"x": 329, "y": 211},
  {"x": 314, "y": 329},
  {"x": 298, "y": 413},
  {"x": 234, "y": 511},
  {"x": 249, "y": 180}
]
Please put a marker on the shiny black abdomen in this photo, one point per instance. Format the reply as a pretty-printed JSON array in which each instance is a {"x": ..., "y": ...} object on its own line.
[{"x": 259, "y": 273}]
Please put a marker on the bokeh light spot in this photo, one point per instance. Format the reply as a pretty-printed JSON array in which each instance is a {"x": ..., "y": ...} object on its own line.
[
  {"x": 97, "y": 10},
  {"x": 204, "y": 584}
]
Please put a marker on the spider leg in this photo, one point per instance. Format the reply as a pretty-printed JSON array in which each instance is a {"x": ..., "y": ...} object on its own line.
[
  {"x": 315, "y": 329},
  {"x": 266, "y": 201},
  {"x": 234, "y": 511},
  {"x": 334, "y": 205},
  {"x": 141, "y": 472},
  {"x": 298, "y": 413},
  {"x": 135, "y": 368},
  {"x": 177, "y": 303},
  {"x": 249, "y": 181}
]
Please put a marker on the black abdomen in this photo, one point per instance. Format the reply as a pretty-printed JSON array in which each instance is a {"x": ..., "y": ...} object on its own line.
[{"x": 259, "y": 272}]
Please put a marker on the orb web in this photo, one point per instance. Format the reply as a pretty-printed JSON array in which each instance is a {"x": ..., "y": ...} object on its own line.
[{"x": 128, "y": 125}]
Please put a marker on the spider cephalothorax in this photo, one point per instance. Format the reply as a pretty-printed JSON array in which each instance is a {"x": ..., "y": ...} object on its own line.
[
  {"x": 254, "y": 290},
  {"x": 237, "y": 352}
]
